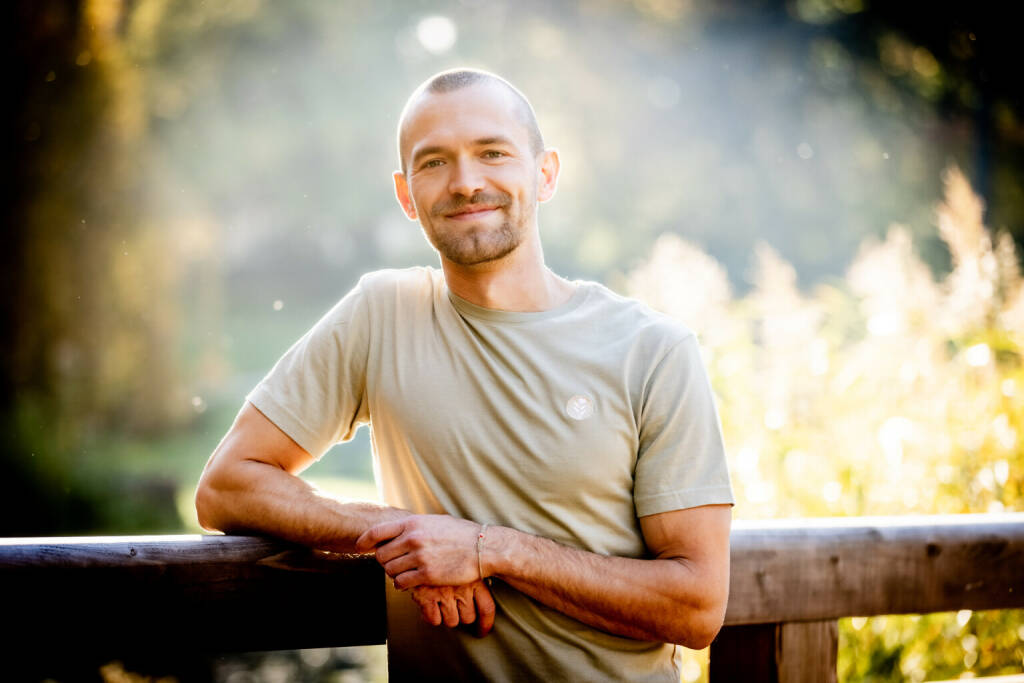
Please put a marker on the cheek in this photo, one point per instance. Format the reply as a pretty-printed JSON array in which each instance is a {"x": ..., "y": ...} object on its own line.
[
  {"x": 519, "y": 185},
  {"x": 423, "y": 198}
]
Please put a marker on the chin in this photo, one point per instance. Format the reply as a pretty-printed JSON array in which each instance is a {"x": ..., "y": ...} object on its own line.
[
  {"x": 476, "y": 257},
  {"x": 474, "y": 248}
]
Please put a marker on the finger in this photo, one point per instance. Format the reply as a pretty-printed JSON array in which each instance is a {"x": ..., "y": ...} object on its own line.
[
  {"x": 389, "y": 550},
  {"x": 485, "y": 609},
  {"x": 449, "y": 612},
  {"x": 409, "y": 579},
  {"x": 430, "y": 613},
  {"x": 464, "y": 603},
  {"x": 403, "y": 563},
  {"x": 378, "y": 534}
]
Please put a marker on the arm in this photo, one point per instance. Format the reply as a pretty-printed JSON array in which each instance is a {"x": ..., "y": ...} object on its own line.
[
  {"x": 678, "y": 596},
  {"x": 250, "y": 484}
]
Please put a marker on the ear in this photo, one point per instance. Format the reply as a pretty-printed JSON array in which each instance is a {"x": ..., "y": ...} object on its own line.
[
  {"x": 404, "y": 198},
  {"x": 547, "y": 172}
]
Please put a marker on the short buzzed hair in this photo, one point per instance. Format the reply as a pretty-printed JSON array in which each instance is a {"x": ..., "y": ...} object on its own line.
[{"x": 457, "y": 79}]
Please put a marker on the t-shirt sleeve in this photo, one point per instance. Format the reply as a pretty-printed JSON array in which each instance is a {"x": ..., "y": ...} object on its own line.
[
  {"x": 316, "y": 392},
  {"x": 681, "y": 459}
]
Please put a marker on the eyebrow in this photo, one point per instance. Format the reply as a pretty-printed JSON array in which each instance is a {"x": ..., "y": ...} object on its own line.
[
  {"x": 493, "y": 140},
  {"x": 479, "y": 142}
]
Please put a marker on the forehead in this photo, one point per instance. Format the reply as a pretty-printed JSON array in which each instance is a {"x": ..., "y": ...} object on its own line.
[{"x": 451, "y": 118}]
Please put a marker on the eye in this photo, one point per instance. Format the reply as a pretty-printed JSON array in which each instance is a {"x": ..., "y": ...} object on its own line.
[
  {"x": 432, "y": 163},
  {"x": 494, "y": 154}
]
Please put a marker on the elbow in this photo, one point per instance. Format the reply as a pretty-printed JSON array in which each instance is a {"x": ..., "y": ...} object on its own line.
[
  {"x": 207, "y": 503},
  {"x": 204, "y": 512},
  {"x": 700, "y": 636},
  {"x": 702, "y": 614},
  {"x": 696, "y": 628}
]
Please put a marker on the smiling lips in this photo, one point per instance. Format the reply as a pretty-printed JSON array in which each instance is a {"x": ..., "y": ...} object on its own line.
[{"x": 471, "y": 211}]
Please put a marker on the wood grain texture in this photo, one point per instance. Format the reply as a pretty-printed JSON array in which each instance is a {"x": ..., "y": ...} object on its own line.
[
  {"x": 824, "y": 569},
  {"x": 807, "y": 651},
  {"x": 796, "y": 652}
]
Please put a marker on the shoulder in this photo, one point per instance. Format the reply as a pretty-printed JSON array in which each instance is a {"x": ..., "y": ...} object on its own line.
[
  {"x": 394, "y": 289},
  {"x": 380, "y": 290},
  {"x": 634, "y": 319},
  {"x": 403, "y": 280}
]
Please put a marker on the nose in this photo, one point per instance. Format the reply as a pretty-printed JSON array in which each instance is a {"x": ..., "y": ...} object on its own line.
[{"x": 466, "y": 178}]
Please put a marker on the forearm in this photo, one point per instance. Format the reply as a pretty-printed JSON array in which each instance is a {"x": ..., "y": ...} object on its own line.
[
  {"x": 255, "y": 497},
  {"x": 649, "y": 599},
  {"x": 679, "y": 597}
]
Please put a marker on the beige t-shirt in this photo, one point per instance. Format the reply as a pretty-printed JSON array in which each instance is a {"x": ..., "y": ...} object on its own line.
[{"x": 569, "y": 424}]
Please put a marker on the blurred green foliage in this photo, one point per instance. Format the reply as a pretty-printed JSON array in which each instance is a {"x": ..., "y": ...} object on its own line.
[{"x": 932, "y": 646}]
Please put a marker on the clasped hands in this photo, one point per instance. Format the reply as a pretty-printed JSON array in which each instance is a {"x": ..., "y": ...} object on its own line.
[{"x": 434, "y": 557}]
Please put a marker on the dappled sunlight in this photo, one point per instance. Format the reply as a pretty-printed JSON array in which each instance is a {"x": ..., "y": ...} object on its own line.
[{"x": 915, "y": 648}]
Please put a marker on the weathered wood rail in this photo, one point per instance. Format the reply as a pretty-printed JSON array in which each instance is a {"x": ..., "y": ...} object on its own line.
[{"x": 791, "y": 580}]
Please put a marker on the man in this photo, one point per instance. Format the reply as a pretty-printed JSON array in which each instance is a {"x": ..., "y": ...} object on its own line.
[{"x": 548, "y": 436}]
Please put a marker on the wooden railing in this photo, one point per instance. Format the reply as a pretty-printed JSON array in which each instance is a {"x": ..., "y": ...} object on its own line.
[{"x": 791, "y": 580}]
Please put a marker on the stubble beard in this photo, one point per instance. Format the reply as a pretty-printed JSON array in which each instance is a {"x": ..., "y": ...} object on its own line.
[{"x": 478, "y": 244}]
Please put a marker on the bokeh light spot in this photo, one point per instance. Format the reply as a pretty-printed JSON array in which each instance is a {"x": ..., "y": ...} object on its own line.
[
  {"x": 978, "y": 355},
  {"x": 436, "y": 34}
]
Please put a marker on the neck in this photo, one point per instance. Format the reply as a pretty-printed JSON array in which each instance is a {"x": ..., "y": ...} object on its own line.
[{"x": 517, "y": 282}]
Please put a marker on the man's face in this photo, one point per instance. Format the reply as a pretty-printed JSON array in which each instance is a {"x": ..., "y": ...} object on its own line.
[{"x": 470, "y": 177}]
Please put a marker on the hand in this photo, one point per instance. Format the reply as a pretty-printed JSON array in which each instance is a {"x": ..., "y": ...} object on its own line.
[
  {"x": 431, "y": 550},
  {"x": 454, "y": 605}
]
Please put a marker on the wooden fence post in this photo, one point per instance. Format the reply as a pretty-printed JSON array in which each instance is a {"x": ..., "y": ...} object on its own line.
[
  {"x": 789, "y": 652},
  {"x": 806, "y": 651}
]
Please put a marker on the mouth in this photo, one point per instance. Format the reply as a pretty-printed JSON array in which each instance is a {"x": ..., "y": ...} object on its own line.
[{"x": 471, "y": 212}]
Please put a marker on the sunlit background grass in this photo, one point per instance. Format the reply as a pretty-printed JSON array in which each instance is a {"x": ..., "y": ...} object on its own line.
[{"x": 828, "y": 192}]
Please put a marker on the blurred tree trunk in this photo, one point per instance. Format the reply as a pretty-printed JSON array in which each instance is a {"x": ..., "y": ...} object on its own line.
[{"x": 87, "y": 291}]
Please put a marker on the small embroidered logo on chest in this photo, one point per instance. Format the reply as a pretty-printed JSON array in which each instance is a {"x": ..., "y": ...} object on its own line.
[{"x": 579, "y": 407}]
